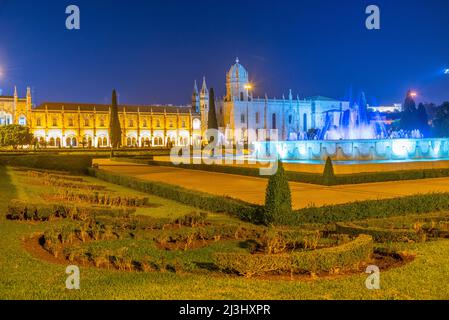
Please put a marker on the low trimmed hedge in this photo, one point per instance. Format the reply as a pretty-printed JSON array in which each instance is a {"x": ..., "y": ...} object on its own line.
[
  {"x": 305, "y": 177},
  {"x": 72, "y": 163},
  {"x": 381, "y": 235},
  {"x": 345, "y": 256},
  {"x": 200, "y": 200},
  {"x": 359, "y": 210},
  {"x": 20, "y": 210},
  {"x": 401, "y": 206}
]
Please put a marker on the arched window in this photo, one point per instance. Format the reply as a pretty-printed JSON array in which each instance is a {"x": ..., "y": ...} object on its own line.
[
  {"x": 38, "y": 122},
  {"x": 158, "y": 123},
  {"x": 170, "y": 124},
  {"x": 52, "y": 142},
  {"x": 183, "y": 124},
  {"x": 68, "y": 142},
  {"x": 128, "y": 142},
  {"x": 144, "y": 123},
  {"x": 74, "y": 142},
  {"x": 304, "y": 122},
  {"x": 22, "y": 120},
  {"x": 131, "y": 123},
  {"x": 55, "y": 122},
  {"x": 196, "y": 124},
  {"x": 290, "y": 119},
  {"x": 102, "y": 122},
  {"x": 242, "y": 118},
  {"x": 273, "y": 121},
  {"x": 105, "y": 142},
  {"x": 158, "y": 141},
  {"x": 58, "y": 142},
  {"x": 86, "y": 122},
  {"x": 71, "y": 122}
]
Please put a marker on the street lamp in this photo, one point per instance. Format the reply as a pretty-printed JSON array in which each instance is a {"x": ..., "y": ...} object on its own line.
[{"x": 248, "y": 87}]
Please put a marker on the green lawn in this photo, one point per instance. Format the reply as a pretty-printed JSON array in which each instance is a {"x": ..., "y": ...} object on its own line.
[{"x": 23, "y": 276}]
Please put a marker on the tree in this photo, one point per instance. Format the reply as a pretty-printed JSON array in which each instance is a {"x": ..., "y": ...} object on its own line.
[
  {"x": 423, "y": 119},
  {"x": 278, "y": 201},
  {"x": 212, "y": 115},
  {"x": 328, "y": 173},
  {"x": 115, "y": 132},
  {"x": 409, "y": 117},
  {"x": 441, "y": 121},
  {"x": 15, "y": 135}
]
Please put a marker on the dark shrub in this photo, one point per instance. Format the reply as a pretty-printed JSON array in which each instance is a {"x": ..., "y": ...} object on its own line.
[
  {"x": 278, "y": 200},
  {"x": 328, "y": 173}
]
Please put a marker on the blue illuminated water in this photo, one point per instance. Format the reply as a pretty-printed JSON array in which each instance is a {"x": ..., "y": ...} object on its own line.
[{"x": 354, "y": 151}]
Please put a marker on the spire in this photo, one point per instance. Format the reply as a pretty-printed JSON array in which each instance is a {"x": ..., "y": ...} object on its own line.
[
  {"x": 204, "y": 87},
  {"x": 28, "y": 97},
  {"x": 237, "y": 60},
  {"x": 195, "y": 88},
  {"x": 290, "y": 96},
  {"x": 15, "y": 91}
]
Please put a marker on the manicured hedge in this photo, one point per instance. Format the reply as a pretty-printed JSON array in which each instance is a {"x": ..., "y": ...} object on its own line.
[
  {"x": 20, "y": 210},
  {"x": 322, "y": 260},
  {"x": 204, "y": 201},
  {"x": 413, "y": 204},
  {"x": 72, "y": 163},
  {"x": 305, "y": 177},
  {"x": 381, "y": 235}
]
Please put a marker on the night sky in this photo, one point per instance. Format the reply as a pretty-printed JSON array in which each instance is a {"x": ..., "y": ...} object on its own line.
[{"x": 152, "y": 51}]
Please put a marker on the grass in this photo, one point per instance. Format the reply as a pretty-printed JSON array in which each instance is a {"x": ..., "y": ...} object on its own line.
[{"x": 23, "y": 276}]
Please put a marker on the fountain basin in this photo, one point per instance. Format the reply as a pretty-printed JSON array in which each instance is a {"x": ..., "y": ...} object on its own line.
[{"x": 355, "y": 150}]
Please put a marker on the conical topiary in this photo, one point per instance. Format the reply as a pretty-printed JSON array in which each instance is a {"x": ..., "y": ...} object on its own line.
[
  {"x": 278, "y": 201},
  {"x": 328, "y": 173}
]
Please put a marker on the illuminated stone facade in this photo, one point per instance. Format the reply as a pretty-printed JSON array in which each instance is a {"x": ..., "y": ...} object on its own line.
[{"x": 86, "y": 125}]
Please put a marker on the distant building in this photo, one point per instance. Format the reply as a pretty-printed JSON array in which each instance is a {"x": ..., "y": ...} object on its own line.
[
  {"x": 75, "y": 125},
  {"x": 65, "y": 124},
  {"x": 291, "y": 117},
  {"x": 15, "y": 110},
  {"x": 394, "y": 108}
]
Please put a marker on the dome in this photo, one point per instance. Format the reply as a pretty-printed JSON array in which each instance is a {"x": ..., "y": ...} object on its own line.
[{"x": 238, "y": 73}]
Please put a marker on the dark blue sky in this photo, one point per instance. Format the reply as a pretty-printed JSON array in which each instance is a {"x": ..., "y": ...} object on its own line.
[{"x": 151, "y": 51}]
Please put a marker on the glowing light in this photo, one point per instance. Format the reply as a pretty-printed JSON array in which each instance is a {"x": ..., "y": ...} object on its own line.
[
  {"x": 248, "y": 86},
  {"x": 413, "y": 94},
  {"x": 446, "y": 71}
]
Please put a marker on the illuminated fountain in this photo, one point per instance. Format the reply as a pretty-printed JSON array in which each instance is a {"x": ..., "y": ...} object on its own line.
[
  {"x": 356, "y": 150},
  {"x": 356, "y": 139}
]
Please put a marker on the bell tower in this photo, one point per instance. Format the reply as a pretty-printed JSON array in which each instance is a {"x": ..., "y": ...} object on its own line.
[{"x": 204, "y": 105}]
